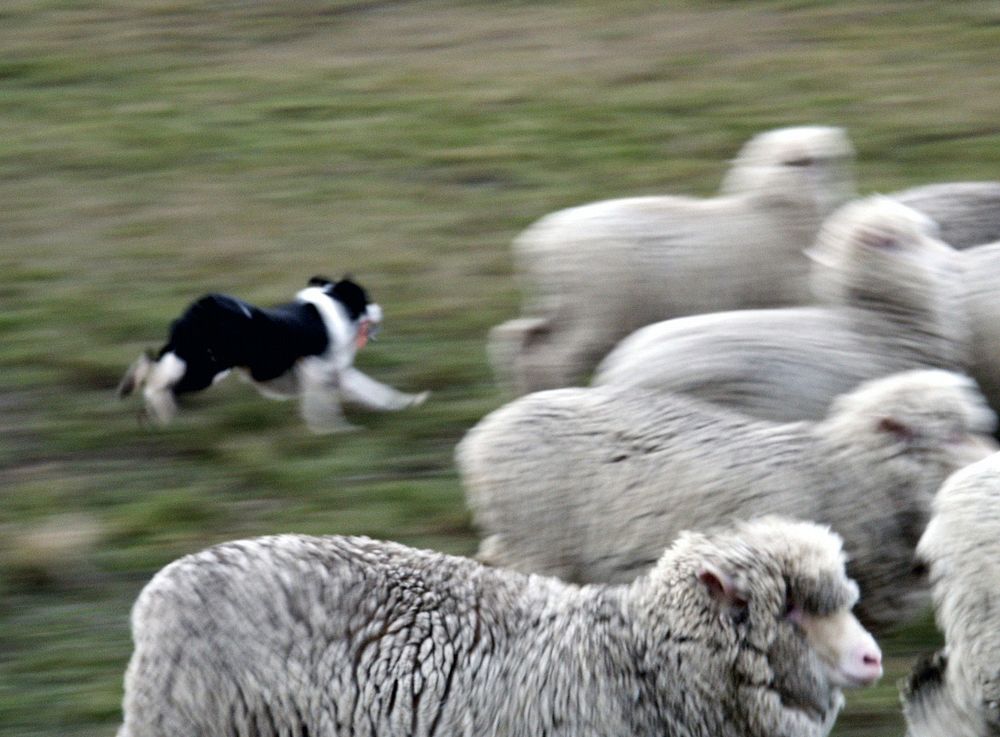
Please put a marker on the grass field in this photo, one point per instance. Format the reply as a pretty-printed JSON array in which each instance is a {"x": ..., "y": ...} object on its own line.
[{"x": 152, "y": 150}]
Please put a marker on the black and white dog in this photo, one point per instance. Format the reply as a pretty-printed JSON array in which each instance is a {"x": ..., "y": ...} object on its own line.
[{"x": 305, "y": 348}]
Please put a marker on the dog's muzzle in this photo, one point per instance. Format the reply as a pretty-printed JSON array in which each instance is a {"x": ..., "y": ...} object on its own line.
[{"x": 369, "y": 325}]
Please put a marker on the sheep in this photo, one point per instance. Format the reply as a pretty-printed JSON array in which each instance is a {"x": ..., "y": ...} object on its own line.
[
  {"x": 956, "y": 692},
  {"x": 587, "y": 483},
  {"x": 743, "y": 631},
  {"x": 595, "y": 273},
  {"x": 968, "y": 212},
  {"x": 979, "y": 284},
  {"x": 890, "y": 301}
]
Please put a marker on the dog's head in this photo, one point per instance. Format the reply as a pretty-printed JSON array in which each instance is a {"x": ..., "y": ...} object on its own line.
[
  {"x": 355, "y": 300},
  {"x": 351, "y": 295}
]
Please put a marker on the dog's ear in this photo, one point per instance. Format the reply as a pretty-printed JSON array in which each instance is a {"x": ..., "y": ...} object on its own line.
[
  {"x": 320, "y": 281},
  {"x": 352, "y": 295}
]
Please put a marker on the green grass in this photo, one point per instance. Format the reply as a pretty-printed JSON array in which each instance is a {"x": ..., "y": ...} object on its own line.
[{"x": 151, "y": 150}]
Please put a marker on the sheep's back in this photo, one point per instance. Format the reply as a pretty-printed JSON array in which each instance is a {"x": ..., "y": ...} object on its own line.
[
  {"x": 343, "y": 620},
  {"x": 592, "y": 484},
  {"x": 657, "y": 253},
  {"x": 780, "y": 365}
]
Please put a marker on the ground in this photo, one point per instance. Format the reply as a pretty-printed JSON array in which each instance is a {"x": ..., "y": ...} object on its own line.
[{"x": 154, "y": 150}]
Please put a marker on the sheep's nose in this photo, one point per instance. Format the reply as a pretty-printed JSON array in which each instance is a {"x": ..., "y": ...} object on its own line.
[{"x": 869, "y": 666}]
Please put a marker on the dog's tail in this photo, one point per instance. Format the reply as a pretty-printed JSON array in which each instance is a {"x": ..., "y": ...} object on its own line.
[{"x": 136, "y": 375}]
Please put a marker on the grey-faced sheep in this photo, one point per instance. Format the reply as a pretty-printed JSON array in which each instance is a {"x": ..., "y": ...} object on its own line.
[
  {"x": 586, "y": 484},
  {"x": 956, "y": 693},
  {"x": 892, "y": 302},
  {"x": 968, "y": 212},
  {"x": 595, "y": 273},
  {"x": 741, "y": 632}
]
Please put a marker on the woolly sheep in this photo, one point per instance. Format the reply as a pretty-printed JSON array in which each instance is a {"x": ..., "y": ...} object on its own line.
[
  {"x": 586, "y": 484},
  {"x": 328, "y": 636},
  {"x": 980, "y": 284},
  {"x": 968, "y": 212},
  {"x": 957, "y": 692},
  {"x": 892, "y": 302},
  {"x": 595, "y": 273}
]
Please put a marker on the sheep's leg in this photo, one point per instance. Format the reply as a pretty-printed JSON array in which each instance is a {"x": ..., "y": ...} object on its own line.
[{"x": 364, "y": 390}]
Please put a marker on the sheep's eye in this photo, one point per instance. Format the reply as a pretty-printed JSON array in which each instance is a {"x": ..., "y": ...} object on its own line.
[
  {"x": 793, "y": 612},
  {"x": 884, "y": 242},
  {"x": 919, "y": 569},
  {"x": 957, "y": 436},
  {"x": 899, "y": 430}
]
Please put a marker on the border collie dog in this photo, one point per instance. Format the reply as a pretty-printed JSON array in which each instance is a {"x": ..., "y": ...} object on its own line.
[{"x": 304, "y": 348}]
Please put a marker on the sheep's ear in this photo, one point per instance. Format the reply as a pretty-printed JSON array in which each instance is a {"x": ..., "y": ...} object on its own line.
[
  {"x": 895, "y": 427},
  {"x": 816, "y": 255},
  {"x": 722, "y": 587}
]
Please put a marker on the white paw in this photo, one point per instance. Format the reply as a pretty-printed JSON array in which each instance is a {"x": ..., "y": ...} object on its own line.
[{"x": 330, "y": 429}]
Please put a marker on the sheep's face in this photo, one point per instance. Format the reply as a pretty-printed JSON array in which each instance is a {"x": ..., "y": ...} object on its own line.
[
  {"x": 803, "y": 164},
  {"x": 914, "y": 428},
  {"x": 815, "y": 623},
  {"x": 848, "y": 653},
  {"x": 782, "y": 596}
]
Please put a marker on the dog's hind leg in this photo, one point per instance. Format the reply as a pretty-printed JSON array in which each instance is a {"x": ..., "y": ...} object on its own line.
[
  {"x": 364, "y": 390},
  {"x": 135, "y": 376},
  {"x": 159, "y": 390}
]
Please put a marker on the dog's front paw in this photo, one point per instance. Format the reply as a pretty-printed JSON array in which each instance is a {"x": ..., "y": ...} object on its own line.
[
  {"x": 331, "y": 428},
  {"x": 419, "y": 399}
]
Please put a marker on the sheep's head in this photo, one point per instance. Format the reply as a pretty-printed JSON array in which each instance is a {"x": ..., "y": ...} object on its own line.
[
  {"x": 900, "y": 436},
  {"x": 957, "y": 691},
  {"x": 959, "y": 551},
  {"x": 801, "y": 164},
  {"x": 913, "y": 429},
  {"x": 772, "y": 598},
  {"x": 878, "y": 253}
]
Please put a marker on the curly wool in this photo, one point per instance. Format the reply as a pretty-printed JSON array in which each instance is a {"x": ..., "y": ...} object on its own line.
[
  {"x": 594, "y": 273},
  {"x": 968, "y": 212},
  {"x": 957, "y": 692},
  {"x": 980, "y": 283},
  {"x": 588, "y": 484},
  {"x": 349, "y": 636},
  {"x": 892, "y": 294}
]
